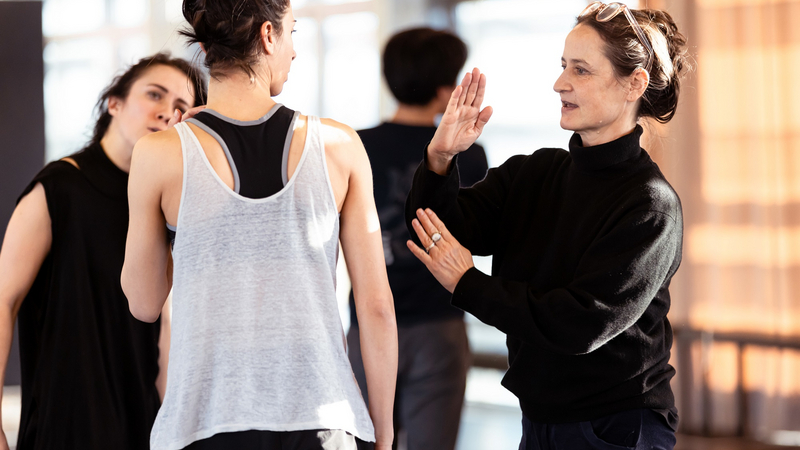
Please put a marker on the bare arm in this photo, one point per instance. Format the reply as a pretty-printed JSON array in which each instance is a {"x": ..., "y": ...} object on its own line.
[
  {"x": 164, "y": 340},
  {"x": 147, "y": 273},
  {"x": 25, "y": 246},
  {"x": 361, "y": 243}
]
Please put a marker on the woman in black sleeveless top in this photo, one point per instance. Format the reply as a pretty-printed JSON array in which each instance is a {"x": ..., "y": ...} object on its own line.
[{"x": 89, "y": 368}]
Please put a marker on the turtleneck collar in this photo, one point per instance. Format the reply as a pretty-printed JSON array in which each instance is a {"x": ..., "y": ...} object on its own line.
[
  {"x": 605, "y": 155},
  {"x": 101, "y": 172}
]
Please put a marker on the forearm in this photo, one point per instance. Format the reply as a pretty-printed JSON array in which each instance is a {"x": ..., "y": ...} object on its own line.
[
  {"x": 571, "y": 320},
  {"x": 472, "y": 214},
  {"x": 164, "y": 340},
  {"x": 434, "y": 191},
  {"x": 379, "y": 353}
]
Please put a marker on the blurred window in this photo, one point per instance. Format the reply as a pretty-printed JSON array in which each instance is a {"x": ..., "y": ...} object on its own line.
[
  {"x": 337, "y": 70},
  {"x": 86, "y": 42}
]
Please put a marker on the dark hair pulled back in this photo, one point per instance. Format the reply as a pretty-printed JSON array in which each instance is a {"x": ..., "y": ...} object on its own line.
[
  {"x": 626, "y": 53},
  {"x": 230, "y": 30},
  {"x": 120, "y": 87}
]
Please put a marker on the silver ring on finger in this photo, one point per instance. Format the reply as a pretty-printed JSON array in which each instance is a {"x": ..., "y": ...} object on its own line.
[
  {"x": 428, "y": 248},
  {"x": 436, "y": 237}
]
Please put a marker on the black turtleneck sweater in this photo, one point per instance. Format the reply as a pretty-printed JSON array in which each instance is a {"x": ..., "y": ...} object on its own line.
[{"x": 585, "y": 244}]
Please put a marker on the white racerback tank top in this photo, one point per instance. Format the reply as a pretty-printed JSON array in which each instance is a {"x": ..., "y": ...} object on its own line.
[{"x": 257, "y": 342}]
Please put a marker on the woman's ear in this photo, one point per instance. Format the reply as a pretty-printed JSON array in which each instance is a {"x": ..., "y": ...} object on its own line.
[
  {"x": 640, "y": 79},
  {"x": 114, "y": 105},
  {"x": 268, "y": 37}
]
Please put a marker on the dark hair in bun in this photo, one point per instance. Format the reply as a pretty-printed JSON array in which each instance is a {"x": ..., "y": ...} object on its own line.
[{"x": 230, "y": 30}]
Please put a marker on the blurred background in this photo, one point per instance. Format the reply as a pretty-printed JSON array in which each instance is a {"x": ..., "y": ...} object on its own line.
[{"x": 732, "y": 153}]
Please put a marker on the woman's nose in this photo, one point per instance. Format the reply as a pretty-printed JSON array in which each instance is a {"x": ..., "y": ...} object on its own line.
[
  {"x": 560, "y": 85},
  {"x": 164, "y": 116}
]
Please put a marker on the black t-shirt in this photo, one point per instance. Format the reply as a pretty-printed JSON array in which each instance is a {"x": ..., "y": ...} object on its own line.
[
  {"x": 88, "y": 366},
  {"x": 394, "y": 153}
]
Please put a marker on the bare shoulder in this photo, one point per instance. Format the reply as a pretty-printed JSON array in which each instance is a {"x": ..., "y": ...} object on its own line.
[
  {"x": 341, "y": 141},
  {"x": 154, "y": 144},
  {"x": 346, "y": 157},
  {"x": 157, "y": 155},
  {"x": 338, "y": 134},
  {"x": 71, "y": 161}
]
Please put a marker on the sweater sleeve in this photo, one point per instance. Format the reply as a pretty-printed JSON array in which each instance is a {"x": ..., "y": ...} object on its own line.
[
  {"x": 470, "y": 214},
  {"x": 616, "y": 280}
]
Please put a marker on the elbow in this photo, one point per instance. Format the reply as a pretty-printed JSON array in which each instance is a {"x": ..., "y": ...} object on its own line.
[
  {"x": 579, "y": 347},
  {"x": 139, "y": 307},
  {"x": 143, "y": 314},
  {"x": 379, "y": 310}
]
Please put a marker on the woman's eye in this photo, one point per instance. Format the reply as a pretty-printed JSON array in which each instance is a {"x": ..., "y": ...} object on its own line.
[
  {"x": 154, "y": 95},
  {"x": 581, "y": 71},
  {"x": 563, "y": 67}
]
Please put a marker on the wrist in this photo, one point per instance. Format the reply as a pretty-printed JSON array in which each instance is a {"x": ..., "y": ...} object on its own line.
[
  {"x": 439, "y": 162},
  {"x": 385, "y": 438}
]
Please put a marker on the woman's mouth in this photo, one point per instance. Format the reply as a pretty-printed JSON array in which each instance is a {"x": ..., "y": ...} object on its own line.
[{"x": 568, "y": 105}]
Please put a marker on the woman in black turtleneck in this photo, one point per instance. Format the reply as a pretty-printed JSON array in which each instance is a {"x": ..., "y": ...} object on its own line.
[{"x": 585, "y": 242}]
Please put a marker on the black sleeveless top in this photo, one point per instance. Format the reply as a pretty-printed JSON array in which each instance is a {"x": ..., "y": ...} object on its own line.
[
  {"x": 257, "y": 150},
  {"x": 88, "y": 366}
]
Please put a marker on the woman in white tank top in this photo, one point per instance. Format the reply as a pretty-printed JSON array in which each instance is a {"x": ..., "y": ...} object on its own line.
[{"x": 258, "y": 356}]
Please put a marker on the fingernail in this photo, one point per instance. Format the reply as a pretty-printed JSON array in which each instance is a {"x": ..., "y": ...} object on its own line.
[{"x": 176, "y": 113}]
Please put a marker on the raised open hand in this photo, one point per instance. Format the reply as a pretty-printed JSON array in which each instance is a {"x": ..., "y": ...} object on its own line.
[{"x": 462, "y": 122}]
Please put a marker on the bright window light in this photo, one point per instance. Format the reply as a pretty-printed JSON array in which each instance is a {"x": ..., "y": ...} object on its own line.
[
  {"x": 301, "y": 91},
  {"x": 352, "y": 69}
]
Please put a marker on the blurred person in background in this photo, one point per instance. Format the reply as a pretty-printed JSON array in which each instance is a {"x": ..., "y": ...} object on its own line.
[
  {"x": 421, "y": 67},
  {"x": 259, "y": 197},
  {"x": 89, "y": 368},
  {"x": 585, "y": 241}
]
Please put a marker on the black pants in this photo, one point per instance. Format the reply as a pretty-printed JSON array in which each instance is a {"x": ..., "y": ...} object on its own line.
[
  {"x": 637, "y": 429},
  {"x": 433, "y": 361},
  {"x": 282, "y": 440}
]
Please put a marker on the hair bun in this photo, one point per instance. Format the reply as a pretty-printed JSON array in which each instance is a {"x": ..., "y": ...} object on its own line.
[
  {"x": 230, "y": 30},
  {"x": 660, "y": 100}
]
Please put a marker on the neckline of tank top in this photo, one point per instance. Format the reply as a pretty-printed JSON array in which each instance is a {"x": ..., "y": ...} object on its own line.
[
  {"x": 234, "y": 194},
  {"x": 233, "y": 121}
]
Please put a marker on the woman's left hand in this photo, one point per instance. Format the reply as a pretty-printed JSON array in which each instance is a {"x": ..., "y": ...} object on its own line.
[
  {"x": 177, "y": 116},
  {"x": 443, "y": 255}
]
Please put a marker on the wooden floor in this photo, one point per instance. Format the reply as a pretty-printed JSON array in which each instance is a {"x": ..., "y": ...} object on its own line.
[
  {"x": 702, "y": 443},
  {"x": 483, "y": 427}
]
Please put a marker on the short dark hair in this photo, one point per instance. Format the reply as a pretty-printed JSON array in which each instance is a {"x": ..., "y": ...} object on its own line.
[
  {"x": 418, "y": 61},
  {"x": 626, "y": 53},
  {"x": 120, "y": 87},
  {"x": 230, "y": 30}
]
